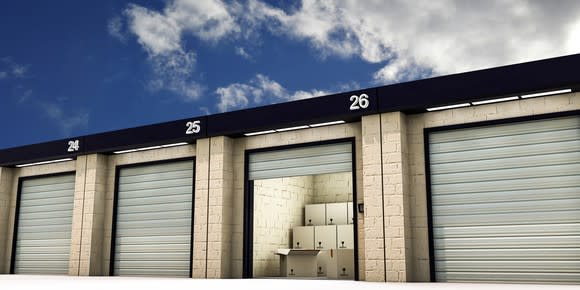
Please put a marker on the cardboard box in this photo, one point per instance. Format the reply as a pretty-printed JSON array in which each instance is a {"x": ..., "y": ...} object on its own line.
[
  {"x": 303, "y": 238},
  {"x": 345, "y": 267},
  {"x": 336, "y": 264},
  {"x": 336, "y": 213},
  {"x": 345, "y": 237},
  {"x": 315, "y": 214},
  {"x": 326, "y": 261},
  {"x": 297, "y": 263},
  {"x": 324, "y": 237}
]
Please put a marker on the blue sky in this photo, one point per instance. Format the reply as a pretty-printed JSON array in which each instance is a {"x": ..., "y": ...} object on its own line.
[{"x": 71, "y": 68}]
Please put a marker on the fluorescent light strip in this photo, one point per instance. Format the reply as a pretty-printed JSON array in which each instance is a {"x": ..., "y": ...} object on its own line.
[
  {"x": 125, "y": 151},
  {"x": 495, "y": 100},
  {"x": 448, "y": 107},
  {"x": 292, "y": 128},
  {"x": 260, "y": 133},
  {"x": 44, "y": 162},
  {"x": 173, "y": 145},
  {"x": 326, "y": 124},
  {"x": 546, "y": 93}
]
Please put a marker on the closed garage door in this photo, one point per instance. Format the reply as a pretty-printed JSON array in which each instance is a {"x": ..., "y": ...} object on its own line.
[
  {"x": 506, "y": 202},
  {"x": 44, "y": 226},
  {"x": 153, "y": 220}
]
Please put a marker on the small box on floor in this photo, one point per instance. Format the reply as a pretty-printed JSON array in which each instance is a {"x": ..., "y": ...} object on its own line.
[{"x": 297, "y": 263}]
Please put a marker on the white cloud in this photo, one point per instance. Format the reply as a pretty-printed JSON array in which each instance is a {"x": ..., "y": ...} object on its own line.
[
  {"x": 160, "y": 34},
  {"x": 415, "y": 38},
  {"x": 115, "y": 29},
  {"x": 260, "y": 90},
  {"x": 243, "y": 53},
  {"x": 66, "y": 121},
  {"x": 3, "y": 75}
]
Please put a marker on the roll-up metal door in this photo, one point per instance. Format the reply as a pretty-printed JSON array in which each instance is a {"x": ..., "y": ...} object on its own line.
[
  {"x": 153, "y": 220},
  {"x": 506, "y": 202},
  {"x": 43, "y": 230},
  {"x": 301, "y": 161}
]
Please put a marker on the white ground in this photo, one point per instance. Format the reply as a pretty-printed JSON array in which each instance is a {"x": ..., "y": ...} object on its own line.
[{"x": 19, "y": 282}]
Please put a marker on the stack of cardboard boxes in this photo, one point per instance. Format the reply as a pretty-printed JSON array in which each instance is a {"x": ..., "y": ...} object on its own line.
[{"x": 324, "y": 247}]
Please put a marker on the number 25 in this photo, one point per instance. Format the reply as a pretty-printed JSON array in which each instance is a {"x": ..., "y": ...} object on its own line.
[{"x": 192, "y": 127}]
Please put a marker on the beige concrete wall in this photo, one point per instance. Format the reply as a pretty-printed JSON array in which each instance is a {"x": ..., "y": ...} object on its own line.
[
  {"x": 88, "y": 216},
  {"x": 278, "y": 207},
  {"x": 333, "y": 187},
  {"x": 374, "y": 230},
  {"x": 220, "y": 208},
  {"x": 5, "y": 197},
  {"x": 417, "y": 185},
  {"x": 286, "y": 138},
  {"x": 395, "y": 196},
  {"x": 112, "y": 162},
  {"x": 12, "y": 183}
]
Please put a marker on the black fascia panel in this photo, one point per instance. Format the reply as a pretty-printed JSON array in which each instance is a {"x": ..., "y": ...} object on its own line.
[
  {"x": 536, "y": 76},
  {"x": 183, "y": 130},
  {"x": 53, "y": 150},
  {"x": 335, "y": 107}
]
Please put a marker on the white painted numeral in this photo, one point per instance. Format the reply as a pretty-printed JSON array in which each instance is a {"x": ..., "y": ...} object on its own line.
[
  {"x": 192, "y": 127},
  {"x": 359, "y": 102},
  {"x": 73, "y": 146}
]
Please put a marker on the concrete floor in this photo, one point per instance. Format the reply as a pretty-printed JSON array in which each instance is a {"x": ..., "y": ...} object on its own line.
[{"x": 111, "y": 283}]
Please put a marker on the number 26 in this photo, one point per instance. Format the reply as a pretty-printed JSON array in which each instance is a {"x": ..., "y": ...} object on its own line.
[{"x": 359, "y": 102}]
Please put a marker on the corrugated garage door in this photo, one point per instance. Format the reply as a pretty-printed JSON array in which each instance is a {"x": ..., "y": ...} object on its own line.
[
  {"x": 153, "y": 224},
  {"x": 301, "y": 161},
  {"x": 506, "y": 202},
  {"x": 44, "y": 225}
]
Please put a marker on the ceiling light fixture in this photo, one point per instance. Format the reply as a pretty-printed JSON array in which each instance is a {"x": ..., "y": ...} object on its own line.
[
  {"x": 327, "y": 124},
  {"x": 174, "y": 144},
  {"x": 495, "y": 100},
  {"x": 292, "y": 128},
  {"x": 448, "y": 107},
  {"x": 44, "y": 162},
  {"x": 546, "y": 93},
  {"x": 259, "y": 133}
]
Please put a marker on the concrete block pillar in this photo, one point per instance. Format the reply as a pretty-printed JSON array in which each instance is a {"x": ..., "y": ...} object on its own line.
[
  {"x": 202, "y": 161},
  {"x": 220, "y": 208},
  {"x": 396, "y": 197},
  {"x": 5, "y": 193},
  {"x": 88, "y": 216},
  {"x": 374, "y": 242}
]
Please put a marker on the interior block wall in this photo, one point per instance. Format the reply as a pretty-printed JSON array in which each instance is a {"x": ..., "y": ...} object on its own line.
[
  {"x": 278, "y": 207},
  {"x": 285, "y": 138},
  {"x": 415, "y": 125},
  {"x": 333, "y": 187}
]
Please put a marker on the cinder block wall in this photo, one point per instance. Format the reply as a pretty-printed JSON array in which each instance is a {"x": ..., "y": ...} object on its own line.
[
  {"x": 417, "y": 185},
  {"x": 278, "y": 207},
  {"x": 333, "y": 187}
]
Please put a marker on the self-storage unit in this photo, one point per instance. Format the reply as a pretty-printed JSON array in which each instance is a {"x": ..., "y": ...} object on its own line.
[
  {"x": 505, "y": 201},
  {"x": 42, "y": 239},
  {"x": 472, "y": 177},
  {"x": 153, "y": 220}
]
